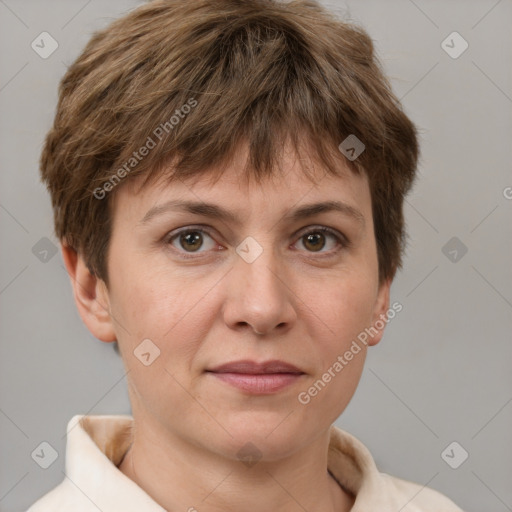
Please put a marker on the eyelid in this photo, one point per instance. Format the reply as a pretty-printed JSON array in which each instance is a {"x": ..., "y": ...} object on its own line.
[
  {"x": 185, "y": 229},
  {"x": 324, "y": 229}
]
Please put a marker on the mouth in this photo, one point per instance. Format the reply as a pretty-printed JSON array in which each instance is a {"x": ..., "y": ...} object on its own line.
[{"x": 257, "y": 378}]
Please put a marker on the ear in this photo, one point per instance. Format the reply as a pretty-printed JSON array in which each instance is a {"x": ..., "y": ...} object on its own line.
[
  {"x": 379, "y": 318},
  {"x": 91, "y": 296}
]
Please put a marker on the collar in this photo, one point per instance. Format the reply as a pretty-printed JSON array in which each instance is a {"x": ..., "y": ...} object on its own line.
[{"x": 97, "y": 444}]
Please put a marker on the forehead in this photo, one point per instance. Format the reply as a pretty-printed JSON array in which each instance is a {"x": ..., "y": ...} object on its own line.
[{"x": 293, "y": 181}]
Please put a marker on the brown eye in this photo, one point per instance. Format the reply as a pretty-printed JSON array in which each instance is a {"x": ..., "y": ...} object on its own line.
[
  {"x": 315, "y": 240},
  {"x": 190, "y": 241}
]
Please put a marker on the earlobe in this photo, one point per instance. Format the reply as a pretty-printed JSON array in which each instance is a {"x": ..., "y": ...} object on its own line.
[
  {"x": 91, "y": 296},
  {"x": 379, "y": 320}
]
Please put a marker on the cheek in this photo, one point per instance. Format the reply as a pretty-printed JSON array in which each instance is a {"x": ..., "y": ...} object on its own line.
[
  {"x": 168, "y": 311},
  {"x": 346, "y": 310},
  {"x": 172, "y": 310},
  {"x": 151, "y": 301},
  {"x": 345, "y": 313},
  {"x": 345, "y": 300}
]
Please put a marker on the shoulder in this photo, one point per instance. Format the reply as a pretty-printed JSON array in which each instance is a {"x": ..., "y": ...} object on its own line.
[
  {"x": 63, "y": 497},
  {"x": 419, "y": 498},
  {"x": 352, "y": 464}
]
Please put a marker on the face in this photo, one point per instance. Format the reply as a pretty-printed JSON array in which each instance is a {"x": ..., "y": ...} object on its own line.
[{"x": 259, "y": 287}]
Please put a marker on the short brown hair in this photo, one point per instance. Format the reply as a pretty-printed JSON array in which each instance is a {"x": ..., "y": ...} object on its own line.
[{"x": 254, "y": 71}]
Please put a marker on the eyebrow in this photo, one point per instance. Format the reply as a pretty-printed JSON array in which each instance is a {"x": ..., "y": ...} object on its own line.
[{"x": 218, "y": 212}]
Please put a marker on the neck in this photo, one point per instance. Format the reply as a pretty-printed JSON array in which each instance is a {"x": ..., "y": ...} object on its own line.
[{"x": 185, "y": 478}]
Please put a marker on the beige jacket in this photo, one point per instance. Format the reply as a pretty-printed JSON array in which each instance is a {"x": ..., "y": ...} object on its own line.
[{"x": 97, "y": 444}]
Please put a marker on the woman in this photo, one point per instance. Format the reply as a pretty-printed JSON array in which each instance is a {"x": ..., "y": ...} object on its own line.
[{"x": 228, "y": 180}]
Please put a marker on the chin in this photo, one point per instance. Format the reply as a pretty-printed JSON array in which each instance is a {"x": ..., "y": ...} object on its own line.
[{"x": 271, "y": 435}]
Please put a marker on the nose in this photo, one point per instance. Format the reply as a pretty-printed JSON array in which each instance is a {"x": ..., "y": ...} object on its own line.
[{"x": 260, "y": 295}]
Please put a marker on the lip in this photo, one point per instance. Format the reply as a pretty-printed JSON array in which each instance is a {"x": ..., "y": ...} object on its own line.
[
  {"x": 258, "y": 378},
  {"x": 247, "y": 366}
]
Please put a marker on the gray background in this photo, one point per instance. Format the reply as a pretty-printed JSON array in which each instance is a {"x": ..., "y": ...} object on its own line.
[{"x": 441, "y": 372}]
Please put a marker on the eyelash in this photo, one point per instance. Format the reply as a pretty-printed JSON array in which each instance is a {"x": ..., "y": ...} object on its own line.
[{"x": 341, "y": 239}]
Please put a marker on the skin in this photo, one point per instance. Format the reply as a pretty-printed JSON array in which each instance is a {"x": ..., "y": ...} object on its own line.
[{"x": 208, "y": 310}]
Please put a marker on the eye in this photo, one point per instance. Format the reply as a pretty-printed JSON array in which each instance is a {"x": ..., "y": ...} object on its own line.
[
  {"x": 314, "y": 239},
  {"x": 189, "y": 239}
]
